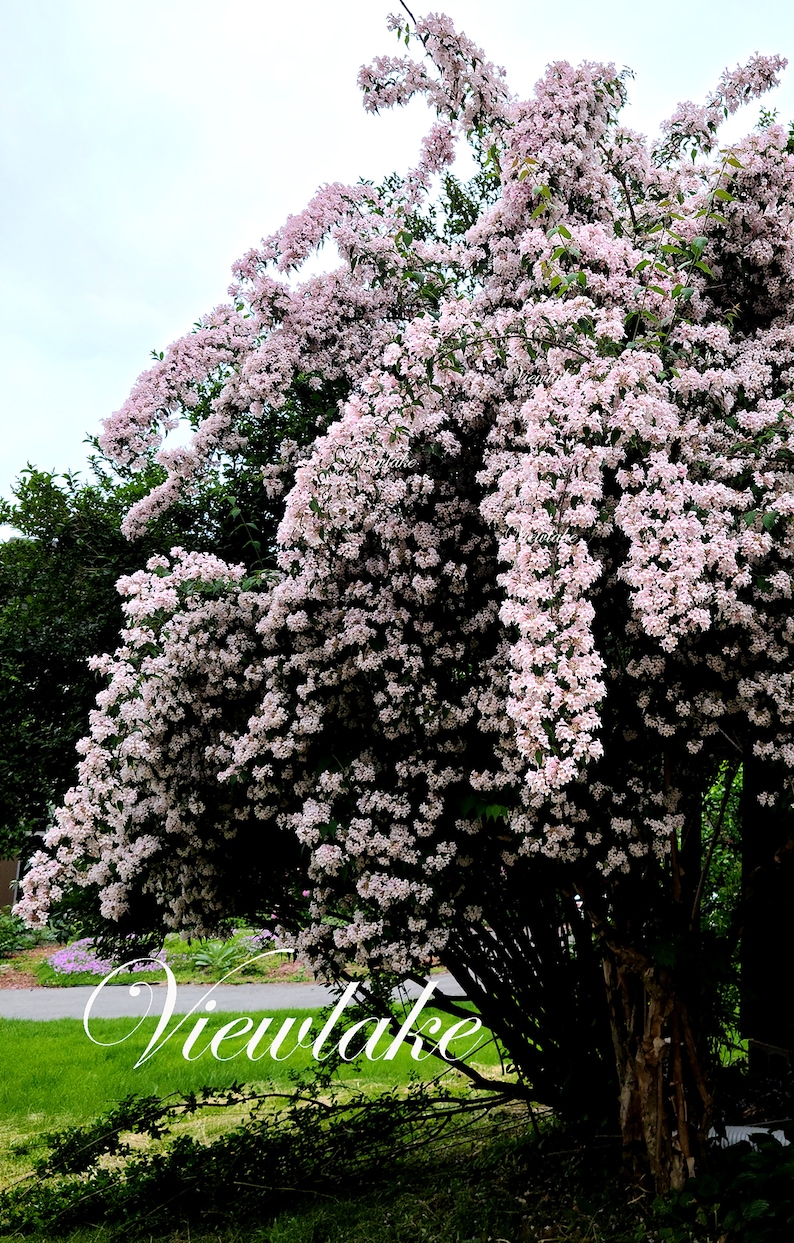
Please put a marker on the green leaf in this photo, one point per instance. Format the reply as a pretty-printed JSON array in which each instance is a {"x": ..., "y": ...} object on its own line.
[
  {"x": 757, "y": 1208},
  {"x": 723, "y": 196},
  {"x": 495, "y": 811}
]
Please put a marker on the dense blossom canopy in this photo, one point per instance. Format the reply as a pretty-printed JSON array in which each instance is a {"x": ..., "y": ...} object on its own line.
[{"x": 545, "y": 533}]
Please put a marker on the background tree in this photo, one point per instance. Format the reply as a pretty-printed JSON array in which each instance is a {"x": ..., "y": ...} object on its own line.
[
  {"x": 59, "y": 604},
  {"x": 531, "y": 600}
]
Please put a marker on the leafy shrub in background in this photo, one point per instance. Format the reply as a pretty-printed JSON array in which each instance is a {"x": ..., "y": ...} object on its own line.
[
  {"x": 222, "y": 956},
  {"x": 219, "y": 955},
  {"x": 15, "y": 935},
  {"x": 747, "y": 1196}
]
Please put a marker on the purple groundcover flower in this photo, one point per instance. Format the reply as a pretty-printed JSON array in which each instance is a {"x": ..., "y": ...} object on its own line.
[
  {"x": 259, "y": 940},
  {"x": 81, "y": 956}
]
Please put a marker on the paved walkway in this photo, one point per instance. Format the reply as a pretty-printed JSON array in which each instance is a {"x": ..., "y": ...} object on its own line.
[{"x": 115, "y": 1001}]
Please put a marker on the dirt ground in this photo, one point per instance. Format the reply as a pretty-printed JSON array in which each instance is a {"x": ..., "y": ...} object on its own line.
[{"x": 18, "y": 970}]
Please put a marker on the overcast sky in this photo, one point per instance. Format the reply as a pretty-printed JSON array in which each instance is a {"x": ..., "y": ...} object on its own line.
[{"x": 146, "y": 144}]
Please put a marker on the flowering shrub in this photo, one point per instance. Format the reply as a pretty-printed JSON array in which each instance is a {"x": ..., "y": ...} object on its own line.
[
  {"x": 15, "y": 935},
  {"x": 531, "y": 585}
]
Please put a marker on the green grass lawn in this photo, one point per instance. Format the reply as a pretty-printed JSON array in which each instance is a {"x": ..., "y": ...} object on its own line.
[
  {"x": 53, "y": 1077},
  {"x": 505, "y": 1181},
  {"x": 52, "y": 1070}
]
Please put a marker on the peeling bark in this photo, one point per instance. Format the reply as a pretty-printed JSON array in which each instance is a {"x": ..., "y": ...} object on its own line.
[{"x": 665, "y": 1102}]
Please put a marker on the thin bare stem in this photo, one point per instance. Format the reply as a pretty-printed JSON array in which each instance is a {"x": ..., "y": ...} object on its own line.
[{"x": 408, "y": 11}]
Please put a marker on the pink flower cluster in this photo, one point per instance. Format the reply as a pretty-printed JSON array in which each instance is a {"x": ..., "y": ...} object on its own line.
[
  {"x": 698, "y": 124},
  {"x": 545, "y": 545}
]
